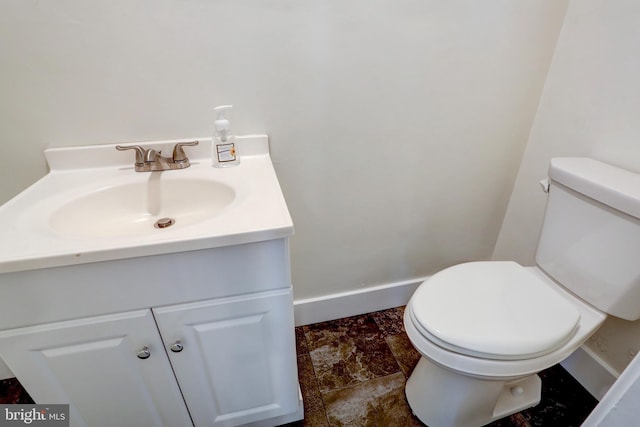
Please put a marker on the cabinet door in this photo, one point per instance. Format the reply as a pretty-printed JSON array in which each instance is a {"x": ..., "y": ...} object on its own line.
[
  {"x": 238, "y": 360},
  {"x": 92, "y": 365}
]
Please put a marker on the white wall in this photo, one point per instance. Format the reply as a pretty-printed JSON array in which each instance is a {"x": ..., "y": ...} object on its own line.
[
  {"x": 590, "y": 107},
  {"x": 619, "y": 407},
  {"x": 397, "y": 126}
]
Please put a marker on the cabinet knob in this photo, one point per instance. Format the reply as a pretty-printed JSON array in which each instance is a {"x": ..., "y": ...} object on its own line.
[
  {"x": 176, "y": 347},
  {"x": 144, "y": 353}
]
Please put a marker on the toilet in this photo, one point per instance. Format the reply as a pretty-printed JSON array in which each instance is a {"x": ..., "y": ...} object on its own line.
[{"x": 485, "y": 329}]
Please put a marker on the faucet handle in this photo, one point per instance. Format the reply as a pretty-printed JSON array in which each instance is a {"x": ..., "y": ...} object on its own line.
[
  {"x": 140, "y": 153},
  {"x": 178, "y": 153}
]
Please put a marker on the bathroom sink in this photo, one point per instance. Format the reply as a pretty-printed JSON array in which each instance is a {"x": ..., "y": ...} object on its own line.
[
  {"x": 149, "y": 206},
  {"x": 93, "y": 206}
]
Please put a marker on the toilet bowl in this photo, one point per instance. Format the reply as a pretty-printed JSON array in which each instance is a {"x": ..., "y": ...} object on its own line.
[
  {"x": 483, "y": 351},
  {"x": 485, "y": 329}
]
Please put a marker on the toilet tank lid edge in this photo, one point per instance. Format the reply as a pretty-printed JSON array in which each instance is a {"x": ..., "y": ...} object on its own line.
[{"x": 607, "y": 184}]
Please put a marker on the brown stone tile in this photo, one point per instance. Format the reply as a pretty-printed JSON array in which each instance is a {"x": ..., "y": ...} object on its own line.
[
  {"x": 12, "y": 392},
  {"x": 301, "y": 342},
  {"x": 349, "y": 326},
  {"x": 404, "y": 352},
  {"x": 314, "y": 413},
  {"x": 348, "y": 352},
  {"x": 376, "y": 403},
  {"x": 515, "y": 420},
  {"x": 518, "y": 420},
  {"x": 390, "y": 321},
  {"x": 564, "y": 401}
]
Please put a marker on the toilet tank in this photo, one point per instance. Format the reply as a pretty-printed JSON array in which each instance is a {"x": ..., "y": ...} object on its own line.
[{"x": 590, "y": 240}]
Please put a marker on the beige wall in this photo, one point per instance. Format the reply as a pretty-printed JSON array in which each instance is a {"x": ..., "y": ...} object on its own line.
[
  {"x": 590, "y": 107},
  {"x": 397, "y": 126}
]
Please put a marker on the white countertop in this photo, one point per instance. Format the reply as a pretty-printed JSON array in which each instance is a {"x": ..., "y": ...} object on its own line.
[{"x": 257, "y": 213}]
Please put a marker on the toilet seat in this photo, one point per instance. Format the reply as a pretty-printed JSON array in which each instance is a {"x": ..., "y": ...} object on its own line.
[{"x": 493, "y": 310}]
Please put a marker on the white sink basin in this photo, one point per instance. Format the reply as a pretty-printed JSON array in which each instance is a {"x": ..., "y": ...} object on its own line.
[
  {"x": 93, "y": 206},
  {"x": 136, "y": 208}
]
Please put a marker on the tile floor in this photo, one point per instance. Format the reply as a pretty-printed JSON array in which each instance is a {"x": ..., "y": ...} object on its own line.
[
  {"x": 11, "y": 392},
  {"x": 353, "y": 371}
]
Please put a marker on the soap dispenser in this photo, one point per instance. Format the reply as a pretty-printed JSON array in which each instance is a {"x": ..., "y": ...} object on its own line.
[{"x": 224, "y": 150}]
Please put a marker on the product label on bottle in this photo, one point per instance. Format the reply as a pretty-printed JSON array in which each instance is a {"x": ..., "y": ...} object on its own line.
[{"x": 226, "y": 152}]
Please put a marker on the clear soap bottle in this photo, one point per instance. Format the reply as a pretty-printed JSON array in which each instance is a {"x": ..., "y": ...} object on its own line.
[{"x": 224, "y": 149}]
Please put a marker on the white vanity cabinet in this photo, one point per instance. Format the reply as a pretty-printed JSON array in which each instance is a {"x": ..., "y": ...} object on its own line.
[
  {"x": 194, "y": 340},
  {"x": 92, "y": 364},
  {"x": 237, "y": 344},
  {"x": 89, "y": 288}
]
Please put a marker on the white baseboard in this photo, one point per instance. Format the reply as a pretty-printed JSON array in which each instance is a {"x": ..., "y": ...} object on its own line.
[
  {"x": 591, "y": 371},
  {"x": 352, "y": 303}
]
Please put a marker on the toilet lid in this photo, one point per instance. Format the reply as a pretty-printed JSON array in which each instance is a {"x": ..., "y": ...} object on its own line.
[{"x": 495, "y": 310}]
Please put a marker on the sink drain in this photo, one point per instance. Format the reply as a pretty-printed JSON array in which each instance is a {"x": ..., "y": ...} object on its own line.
[{"x": 164, "y": 222}]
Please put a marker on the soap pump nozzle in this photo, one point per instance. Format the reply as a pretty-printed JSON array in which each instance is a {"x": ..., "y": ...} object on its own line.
[{"x": 221, "y": 123}]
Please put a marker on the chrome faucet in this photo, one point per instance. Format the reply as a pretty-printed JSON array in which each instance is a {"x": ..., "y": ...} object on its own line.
[{"x": 151, "y": 160}]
